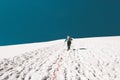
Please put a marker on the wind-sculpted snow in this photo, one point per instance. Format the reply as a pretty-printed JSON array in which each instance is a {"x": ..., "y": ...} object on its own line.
[{"x": 88, "y": 59}]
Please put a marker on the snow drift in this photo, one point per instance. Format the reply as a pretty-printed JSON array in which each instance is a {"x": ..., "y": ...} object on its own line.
[{"x": 89, "y": 59}]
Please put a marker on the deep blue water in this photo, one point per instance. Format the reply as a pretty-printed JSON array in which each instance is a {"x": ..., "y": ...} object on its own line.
[{"x": 27, "y": 21}]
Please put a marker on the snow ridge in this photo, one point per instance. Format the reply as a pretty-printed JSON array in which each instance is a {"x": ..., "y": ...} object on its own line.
[{"x": 88, "y": 59}]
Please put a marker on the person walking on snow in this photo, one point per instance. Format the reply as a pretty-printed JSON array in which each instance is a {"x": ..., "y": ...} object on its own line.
[{"x": 69, "y": 39}]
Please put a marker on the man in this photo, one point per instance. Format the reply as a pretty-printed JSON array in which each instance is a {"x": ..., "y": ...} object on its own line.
[{"x": 69, "y": 39}]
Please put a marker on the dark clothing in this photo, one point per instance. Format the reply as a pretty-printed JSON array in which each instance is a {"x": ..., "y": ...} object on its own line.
[
  {"x": 69, "y": 39},
  {"x": 68, "y": 44}
]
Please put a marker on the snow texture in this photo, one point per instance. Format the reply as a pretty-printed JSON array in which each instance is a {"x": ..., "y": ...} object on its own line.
[{"x": 88, "y": 59}]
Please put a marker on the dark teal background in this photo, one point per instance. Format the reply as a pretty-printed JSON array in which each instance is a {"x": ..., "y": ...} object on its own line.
[{"x": 27, "y": 21}]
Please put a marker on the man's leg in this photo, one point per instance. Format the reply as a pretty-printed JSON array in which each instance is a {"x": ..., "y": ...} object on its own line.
[{"x": 69, "y": 46}]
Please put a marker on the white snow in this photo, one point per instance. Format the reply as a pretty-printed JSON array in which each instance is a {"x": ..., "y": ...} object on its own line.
[
  {"x": 89, "y": 59},
  {"x": 13, "y": 50}
]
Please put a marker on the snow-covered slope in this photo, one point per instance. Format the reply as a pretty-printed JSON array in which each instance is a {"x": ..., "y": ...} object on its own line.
[
  {"x": 13, "y": 50},
  {"x": 89, "y": 59}
]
